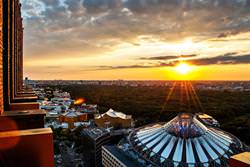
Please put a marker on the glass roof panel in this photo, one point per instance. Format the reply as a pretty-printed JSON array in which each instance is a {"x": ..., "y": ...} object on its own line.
[{"x": 186, "y": 137}]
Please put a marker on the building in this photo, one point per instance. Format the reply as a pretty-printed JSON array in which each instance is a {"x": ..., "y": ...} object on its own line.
[
  {"x": 90, "y": 109},
  {"x": 22, "y": 136},
  {"x": 241, "y": 160},
  {"x": 16, "y": 96},
  {"x": 114, "y": 119},
  {"x": 114, "y": 157},
  {"x": 92, "y": 140},
  {"x": 71, "y": 117},
  {"x": 61, "y": 94},
  {"x": 183, "y": 141},
  {"x": 207, "y": 120}
]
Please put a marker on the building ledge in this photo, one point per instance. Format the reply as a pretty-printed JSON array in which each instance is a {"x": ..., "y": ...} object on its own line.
[
  {"x": 23, "y": 113},
  {"x": 26, "y": 93},
  {"x": 32, "y": 147},
  {"x": 24, "y": 106},
  {"x": 242, "y": 160},
  {"x": 25, "y": 132},
  {"x": 22, "y": 119},
  {"x": 25, "y": 98},
  {"x": 26, "y": 90}
]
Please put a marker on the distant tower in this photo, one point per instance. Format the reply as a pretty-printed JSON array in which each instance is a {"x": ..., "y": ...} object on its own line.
[{"x": 26, "y": 82}]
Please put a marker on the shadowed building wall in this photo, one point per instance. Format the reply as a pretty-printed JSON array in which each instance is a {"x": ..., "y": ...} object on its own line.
[
  {"x": 23, "y": 139},
  {"x": 1, "y": 60},
  {"x": 16, "y": 97},
  {"x": 16, "y": 102}
]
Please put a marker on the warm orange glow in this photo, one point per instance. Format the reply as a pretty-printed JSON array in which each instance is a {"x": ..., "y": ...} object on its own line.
[
  {"x": 183, "y": 68},
  {"x": 79, "y": 101},
  {"x": 11, "y": 141}
]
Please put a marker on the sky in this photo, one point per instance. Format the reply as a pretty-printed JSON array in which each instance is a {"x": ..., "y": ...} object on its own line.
[{"x": 136, "y": 39}]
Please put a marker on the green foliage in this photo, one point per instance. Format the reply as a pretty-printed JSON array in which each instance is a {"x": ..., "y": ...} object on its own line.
[{"x": 149, "y": 105}]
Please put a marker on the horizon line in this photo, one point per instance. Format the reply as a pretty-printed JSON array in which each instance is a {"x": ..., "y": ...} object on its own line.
[{"x": 138, "y": 80}]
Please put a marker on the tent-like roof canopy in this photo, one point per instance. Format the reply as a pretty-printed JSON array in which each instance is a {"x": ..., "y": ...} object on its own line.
[
  {"x": 115, "y": 114},
  {"x": 184, "y": 141}
]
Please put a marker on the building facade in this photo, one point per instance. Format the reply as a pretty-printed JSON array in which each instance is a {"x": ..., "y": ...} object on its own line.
[
  {"x": 19, "y": 112},
  {"x": 93, "y": 139},
  {"x": 114, "y": 157},
  {"x": 15, "y": 100},
  {"x": 1, "y": 57},
  {"x": 16, "y": 97}
]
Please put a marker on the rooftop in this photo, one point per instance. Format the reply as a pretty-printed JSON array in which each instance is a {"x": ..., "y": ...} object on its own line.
[
  {"x": 127, "y": 161},
  {"x": 184, "y": 141},
  {"x": 242, "y": 157},
  {"x": 115, "y": 114},
  {"x": 94, "y": 133}
]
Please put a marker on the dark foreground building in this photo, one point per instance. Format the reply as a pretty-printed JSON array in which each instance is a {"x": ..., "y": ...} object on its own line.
[
  {"x": 184, "y": 142},
  {"x": 113, "y": 156},
  {"x": 92, "y": 140},
  {"x": 23, "y": 140}
]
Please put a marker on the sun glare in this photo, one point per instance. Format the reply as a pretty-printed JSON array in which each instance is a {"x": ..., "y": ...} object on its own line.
[
  {"x": 183, "y": 68},
  {"x": 188, "y": 43}
]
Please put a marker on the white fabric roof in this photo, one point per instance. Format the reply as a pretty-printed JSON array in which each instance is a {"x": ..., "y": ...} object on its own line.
[{"x": 115, "y": 114}]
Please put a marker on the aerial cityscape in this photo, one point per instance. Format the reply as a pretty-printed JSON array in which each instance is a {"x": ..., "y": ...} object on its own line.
[
  {"x": 124, "y": 83},
  {"x": 189, "y": 137}
]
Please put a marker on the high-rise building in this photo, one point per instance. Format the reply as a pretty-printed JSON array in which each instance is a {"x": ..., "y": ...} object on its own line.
[
  {"x": 22, "y": 136},
  {"x": 93, "y": 139},
  {"x": 15, "y": 99}
]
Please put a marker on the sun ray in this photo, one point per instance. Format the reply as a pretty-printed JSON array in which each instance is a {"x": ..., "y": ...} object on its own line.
[
  {"x": 171, "y": 90},
  {"x": 197, "y": 98}
]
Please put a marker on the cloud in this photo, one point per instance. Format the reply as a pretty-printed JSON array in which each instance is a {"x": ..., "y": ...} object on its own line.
[
  {"x": 229, "y": 58},
  {"x": 168, "y": 57},
  {"x": 227, "y": 34},
  {"x": 95, "y": 27},
  {"x": 226, "y": 59},
  {"x": 136, "y": 66},
  {"x": 97, "y": 6}
]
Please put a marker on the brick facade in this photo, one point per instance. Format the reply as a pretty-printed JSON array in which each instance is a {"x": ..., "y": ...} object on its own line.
[
  {"x": 1, "y": 62},
  {"x": 14, "y": 122},
  {"x": 15, "y": 96},
  {"x": 15, "y": 103}
]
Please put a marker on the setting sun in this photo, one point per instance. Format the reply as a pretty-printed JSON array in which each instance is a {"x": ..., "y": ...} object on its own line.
[{"x": 183, "y": 68}]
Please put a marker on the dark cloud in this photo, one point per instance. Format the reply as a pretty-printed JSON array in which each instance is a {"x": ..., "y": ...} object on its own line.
[
  {"x": 124, "y": 67},
  {"x": 168, "y": 57},
  {"x": 227, "y": 34},
  {"x": 153, "y": 65},
  {"x": 226, "y": 59},
  {"x": 52, "y": 3},
  {"x": 97, "y": 6},
  {"x": 229, "y": 58}
]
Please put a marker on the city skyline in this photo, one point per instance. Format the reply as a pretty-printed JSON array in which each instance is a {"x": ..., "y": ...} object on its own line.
[{"x": 136, "y": 40}]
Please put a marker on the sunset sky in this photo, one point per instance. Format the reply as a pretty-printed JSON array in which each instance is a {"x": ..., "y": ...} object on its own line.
[{"x": 136, "y": 39}]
